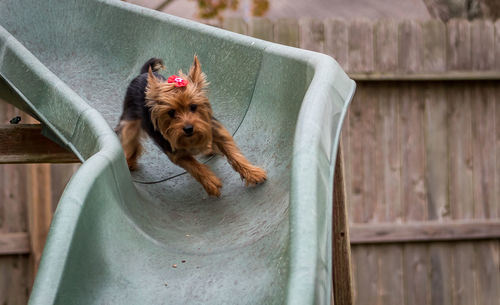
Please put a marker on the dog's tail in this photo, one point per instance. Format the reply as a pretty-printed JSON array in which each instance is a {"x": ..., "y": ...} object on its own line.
[{"x": 156, "y": 64}]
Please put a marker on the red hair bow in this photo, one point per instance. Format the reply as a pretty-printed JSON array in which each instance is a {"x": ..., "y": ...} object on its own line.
[{"x": 178, "y": 81}]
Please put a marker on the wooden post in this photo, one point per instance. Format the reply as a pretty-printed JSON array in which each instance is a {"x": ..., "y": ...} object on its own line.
[{"x": 341, "y": 256}]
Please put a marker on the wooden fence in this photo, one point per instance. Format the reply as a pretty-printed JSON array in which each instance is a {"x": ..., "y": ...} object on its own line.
[
  {"x": 28, "y": 196},
  {"x": 420, "y": 145}
]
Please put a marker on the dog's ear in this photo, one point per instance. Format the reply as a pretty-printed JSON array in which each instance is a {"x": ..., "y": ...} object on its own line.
[{"x": 195, "y": 74}]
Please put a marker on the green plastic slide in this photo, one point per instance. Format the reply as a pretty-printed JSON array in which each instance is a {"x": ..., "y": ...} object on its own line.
[{"x": 154, "y": 236}]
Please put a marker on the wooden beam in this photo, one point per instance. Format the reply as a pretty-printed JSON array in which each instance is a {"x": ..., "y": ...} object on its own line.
[
  {"x": 424, "y": 232},
  {"x": 439, "y": 76},
  {"x": 341, "y": 252},
  {"x": 14, "y": 243},
  {"x": 24, "y": 143}
]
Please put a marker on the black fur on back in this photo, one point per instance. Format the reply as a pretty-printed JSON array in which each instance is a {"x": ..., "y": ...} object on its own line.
[{"x": 134, "y": 104}]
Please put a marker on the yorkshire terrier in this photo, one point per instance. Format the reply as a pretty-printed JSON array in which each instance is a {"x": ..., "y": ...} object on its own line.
[{"x": 177, "y": 115}]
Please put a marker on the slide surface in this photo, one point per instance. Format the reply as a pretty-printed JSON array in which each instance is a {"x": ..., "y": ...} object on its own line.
[{"x": 153, "y": 236}]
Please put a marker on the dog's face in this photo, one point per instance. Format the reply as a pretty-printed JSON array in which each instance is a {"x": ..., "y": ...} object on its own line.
[{"x": 183, "y": 115}]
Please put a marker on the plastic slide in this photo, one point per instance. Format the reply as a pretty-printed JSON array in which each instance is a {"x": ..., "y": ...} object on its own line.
[{"x": 154, "y": 236}]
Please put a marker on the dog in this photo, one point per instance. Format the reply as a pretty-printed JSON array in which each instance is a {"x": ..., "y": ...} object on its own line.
[{"x": 176, "y": 113}]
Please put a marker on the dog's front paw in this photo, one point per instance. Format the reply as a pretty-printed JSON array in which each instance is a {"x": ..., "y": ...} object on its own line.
[
  {"x": 254, "y": 175},
  {"x": 212, "y": 185}
]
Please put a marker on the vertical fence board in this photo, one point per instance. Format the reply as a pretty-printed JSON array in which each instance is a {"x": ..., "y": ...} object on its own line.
[
  {"x": 360, "y": 46},
  {"x": 388, "y": 206},
  {"x": 464, "y": 274},
  {"x": 441, "y": 270},
  {"x": 366, "y": 274},
  {"x": 483, "y": 146},
  {"x": 436, "y": 150},
  {"x": 14, "y": 198},
  {"x": 39, "y": 210},
  {"x": 237, "y": 25},
  {"x": 460, "y": 147},
  {"x": 415, "y": 257},
  {"x": 496, "y": 95},
  {"x": 385, "y": 47},
  {"x": 336, "y": 41},
  {"x": 483, "y": 42},
  {"x": 286, "y": 31},
  {"x": 390, "y": 271},
  {"x": 354, "y": 270},
  {"x": 377, "y": 162},
  {"x": 412, "y": 154},
  {"x": 458, "y": 49},
  {"x": 433, "y": 48},
  {"x": 436, "y": 135},
  {"x": 365, "y": 258},
  {"x": 312, "y": 34},
  {"x": 363, "y": 143},
  {"x": 487, "y": 276},
  {"x": 370, "y": 158},
  {"x": 416, "y": 263},
  {"x": 261, "y": 28},
  {"x": 433, "y": 51},
  {"x": 436, "y": 114},
  {"x": 415, "y": 274},
  {"x": 497, "y": 45},
  {"x": 389, "y": 209},
  {"x": 356, "y": 118},
  {"x": 410, "y": 39},
  {"x": 440, "y": 254},
  {"x": 14, "y": 284},
  {"x": 460, "y": 189}
]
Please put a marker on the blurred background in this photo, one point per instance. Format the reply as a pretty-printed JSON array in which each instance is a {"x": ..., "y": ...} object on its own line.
[
  {"x": 371, "y": 9},
  {"x": 420, "y": 143}
]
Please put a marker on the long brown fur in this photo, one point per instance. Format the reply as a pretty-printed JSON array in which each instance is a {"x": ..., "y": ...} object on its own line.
[
  {"x": 163, "y": 99},
  {"x": 130, "y": 136}
]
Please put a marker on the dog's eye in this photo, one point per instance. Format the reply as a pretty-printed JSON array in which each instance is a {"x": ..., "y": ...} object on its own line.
[
  {"x": 193, "y": 107},
  {"x": 171, "y": 113}
]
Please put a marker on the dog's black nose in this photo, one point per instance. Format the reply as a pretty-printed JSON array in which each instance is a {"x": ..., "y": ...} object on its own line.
[{"x": 188, "y": 129}]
